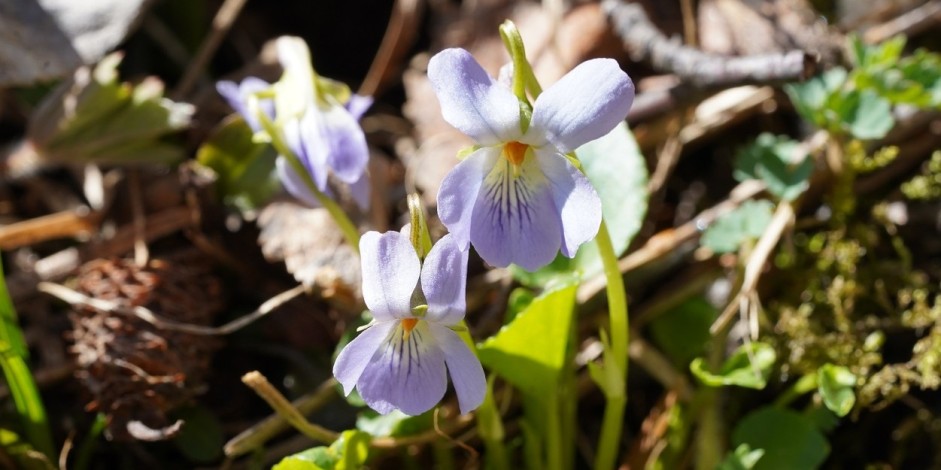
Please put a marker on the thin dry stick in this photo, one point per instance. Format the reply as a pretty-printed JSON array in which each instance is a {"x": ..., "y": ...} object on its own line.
[
  {"x": 257, "y": 435},
  {"x": 221, "y": 25},
  {"x": 77, "y": 298},
  {"x": 69, "y": 223},
  {"x": 669, "y": 240},
  {"x": 783, "y": 217},
  {"x": 276, "y": 400},
  {"x": 399, "y": 34},
  {"x": 911, "y": 23}
]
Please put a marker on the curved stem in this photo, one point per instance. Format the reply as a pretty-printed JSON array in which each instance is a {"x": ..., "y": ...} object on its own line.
[
  {"x": 350, "y": 232},
  {"x": 615, "y": 390}
]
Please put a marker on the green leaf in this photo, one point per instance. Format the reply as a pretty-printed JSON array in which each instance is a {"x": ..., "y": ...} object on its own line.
[
  {"x": 316, "y": 458},
  {"x": 683, "y": 331},
  {"x": 749, "y": 366},
  {"x": 743, "y": 458},
  {"x": 201, "y": 438},
  {"x": 13, "y": 361},
  {"x": 789, "y": 440},
  {"x": 776, "y": 161},
  {"x": 245, "y": 169},
  {"x": 22, "y": 454},
  {"x": 618, "y": 172},
  {"x": 836, "y": 384},
  {"x": 394, "y": 424},
  {"x": 867, "y": 115},
  {"x": 348, "y": 452},
  {"x": 97, "y": 119},
  {"x": 530, "y": 352},
  {"x": 812, "y": 97},
  {"x": 746, "y": 222}
]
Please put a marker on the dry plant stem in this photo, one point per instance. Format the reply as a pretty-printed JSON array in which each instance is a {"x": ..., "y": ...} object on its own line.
[
  {"x": 783, "y": 217},
  {"x": 71, "y": 223},
  {"x": 76, "y": 298},
  {"x": 276, "y": 400},
  {"x": 257, "y": 435},
  {"x": 910, "y": 23},
  {"x": 221, "y": 24},
  {"x": 669, "y": 240},
  {"x": 645, "y": 42},
  {"x": 398, "y": 37}
]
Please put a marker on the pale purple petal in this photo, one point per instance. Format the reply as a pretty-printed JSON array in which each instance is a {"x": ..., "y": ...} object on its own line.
[
  {"x": 391, "y": 270},
  {"x": 515, "y": 219},
  {"x": 471, "y": 101},
  {"x": 303, "y": 137},
  {"x": 407, "y": 374},
  {"x": 582, "y": 106},
  {"x": 443, "y": 281},
  {"x": 237, "y": 97},
  {"x": 576, "y": 200},
  {"x": 358, "y": 105},
  {"x": 458, "y": 193},
  {"x": 354, "y": 357},
  {"x": 293, "y": 183},
  {"x": 347, "y": 153},
  {"x": 464, "y": 368}
]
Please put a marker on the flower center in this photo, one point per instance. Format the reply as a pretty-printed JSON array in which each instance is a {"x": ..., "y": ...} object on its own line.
[
  {"x": 408, "y": 324},
  {"x": 515, "y": 152}
]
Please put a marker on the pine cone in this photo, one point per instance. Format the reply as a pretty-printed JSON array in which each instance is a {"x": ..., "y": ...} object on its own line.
[{"x": 135, "y": 372}]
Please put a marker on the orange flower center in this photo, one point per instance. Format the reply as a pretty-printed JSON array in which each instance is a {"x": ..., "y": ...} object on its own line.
[
  {"x": 515, "y": 152},
  {"x": 408, "y": 324}
]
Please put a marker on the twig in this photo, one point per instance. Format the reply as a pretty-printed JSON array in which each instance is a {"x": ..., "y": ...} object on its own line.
[
  {"x": 221, "y": 24},
  {"x": 77, "y": 298},
  {"x": 399, "y": 35},
  {"x": 276, "y": 400},
  {"x": 669, "y": 240},
  {"x": 645, "y": 42},
  {"x": 257, "y": 435},
  {"x": 910, "y": 23},
  {"x": 783, "y": 216},
  {"x": 71, "y": 223}
]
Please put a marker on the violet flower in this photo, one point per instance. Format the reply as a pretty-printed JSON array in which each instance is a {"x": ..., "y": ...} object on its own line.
[
  {"x": 402, "y": 359},
  {"x": 517, "y": 198},
  {"x": 316, "y": 119}
]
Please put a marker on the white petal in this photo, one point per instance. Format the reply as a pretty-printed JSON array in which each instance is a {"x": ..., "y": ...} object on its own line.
[
  {"x": 391, "y": 270},
  {"x": 471, "y": 100},
  {"x": 582, "y": 106},
  {"x": 458, "y": 193},
  {"x": 465, "y": 370},
  {"x": 354, "y": 357},
  {"x": 578, "y": 204},
  {"x": 444, "y": 280}
]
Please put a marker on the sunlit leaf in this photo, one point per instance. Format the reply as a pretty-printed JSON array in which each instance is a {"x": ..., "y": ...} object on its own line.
[
  {"x": 348, "y": 452},
  {"x": 789, "y": 440},
  {"x": 749, "y": 366},
  {"x": 836, "y": 384},
  {"x": 868, "y": 115},
  {"x": 530, "y": 352},
  {"x": 746, "y": 222},
  {"x": 742, "y": 458},
  {"x": 245, "y": 169}
]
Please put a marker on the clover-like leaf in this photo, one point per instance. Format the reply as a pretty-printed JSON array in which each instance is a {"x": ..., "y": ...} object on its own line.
[
  {"x": 742, "y": 458},
  {"x": 836, "y": 384},
  {"x": 778, "y": 162},
  {"x": 749, "y": 366}
]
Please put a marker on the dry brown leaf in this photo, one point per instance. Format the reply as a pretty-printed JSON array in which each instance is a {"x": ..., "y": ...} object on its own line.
[{"x": 313, "y": 249}]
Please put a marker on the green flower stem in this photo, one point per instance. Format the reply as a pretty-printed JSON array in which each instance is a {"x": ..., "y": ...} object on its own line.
[
  {"x": 350, "y": 232},
  {"x": 554, "y": 446},
  {"x": 283, "y": 407},
  {"x": 616, "y": 394}
]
